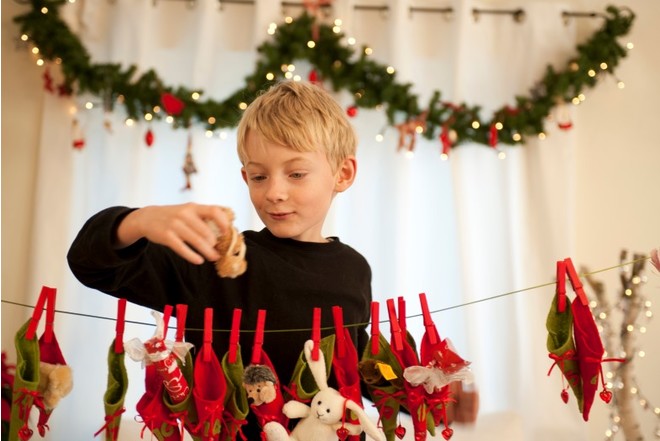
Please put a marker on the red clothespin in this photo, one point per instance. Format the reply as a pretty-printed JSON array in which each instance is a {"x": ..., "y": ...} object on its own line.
[
  {"x": 46, "y": 294},
  {"x": 375, "y": 330},
  {"x": 561, "y": 286},
  {"x": 119, "y": 326},
  {"x": 575, "y": 281},
  {"x": 208, "y": 334},
  {"x": 258, "y": 337},
  {"x": 167, "y": 313},
  {"x": 402, "y": 314},
  {"x": 50, "y": 316},
  {"x": 428, "y": 321},
  {"x": 395, "y": 329},
  {"x": 316, "y": 334},
  {"x": 234, "y": 334},
  {"x": 181, "y": 312},
  {"x": 340, "y": 337}
]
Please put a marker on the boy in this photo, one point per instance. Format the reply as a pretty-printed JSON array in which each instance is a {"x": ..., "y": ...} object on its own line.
[{"x": 297, "y": 151}]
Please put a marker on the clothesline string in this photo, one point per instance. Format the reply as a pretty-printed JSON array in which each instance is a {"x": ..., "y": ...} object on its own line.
[{"x": 435, "y": 311}]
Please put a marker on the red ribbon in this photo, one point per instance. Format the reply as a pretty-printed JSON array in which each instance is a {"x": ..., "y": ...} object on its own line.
[
  {"x": 233, "y": 425},
  {"x": 568, "y": 355},
  {"x": 109, "y": 419}
]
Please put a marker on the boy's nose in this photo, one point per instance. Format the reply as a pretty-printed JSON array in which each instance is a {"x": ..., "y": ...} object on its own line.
[{"x": 276, "y": 191}]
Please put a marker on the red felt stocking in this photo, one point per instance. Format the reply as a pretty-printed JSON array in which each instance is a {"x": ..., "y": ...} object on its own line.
[{"x": 209, "y": 386}]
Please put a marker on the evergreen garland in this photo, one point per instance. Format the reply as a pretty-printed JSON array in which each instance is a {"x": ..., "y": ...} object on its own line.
[{"x": 370, "y": 83}]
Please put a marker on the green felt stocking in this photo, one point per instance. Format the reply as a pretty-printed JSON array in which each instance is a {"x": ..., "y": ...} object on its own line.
[
  {"x": 115, "y": 393},
  {"x": 26, "y": 381},
  {"x": 386, "y": 395},
  {"x": 236, "y": 404},
  {"x": 303, "y": 386},
  {"x": 561, "y": 346}
]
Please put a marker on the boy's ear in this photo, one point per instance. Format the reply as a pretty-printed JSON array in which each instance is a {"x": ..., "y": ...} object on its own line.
[
  {"x": 244, "y": 174},
  {"x": 346, "y": 174}
]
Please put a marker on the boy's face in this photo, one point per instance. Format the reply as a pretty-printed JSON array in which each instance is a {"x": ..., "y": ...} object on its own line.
[{"x": 292, "y": 191}]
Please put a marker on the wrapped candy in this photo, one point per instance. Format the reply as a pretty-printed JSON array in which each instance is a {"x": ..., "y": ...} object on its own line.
[{"x": 163, "y": 354}]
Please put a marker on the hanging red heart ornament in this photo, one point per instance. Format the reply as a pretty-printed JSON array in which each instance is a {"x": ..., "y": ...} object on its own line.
[
  {"x": 606, "y": 396},
  {"x": 400, "y": 431},
  {"x": 172, "y": 104},
  {"x": 342, "y": 433},
  {"x": 149, "y": 138},
  {"x": 447, "y": 433},
  {"x": 564, "y": 396}
]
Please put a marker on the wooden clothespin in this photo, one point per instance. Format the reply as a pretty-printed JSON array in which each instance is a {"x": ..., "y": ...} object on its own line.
[
  {"x": 395, "y": 329},
  {"x": 561, "y": 286},
  {"x": 575, "y": 281},
  {"x": 234, "y": 334},
  {"x": 375, "y": 330},
  {"x": 431, "y": 332},
  {"x": 316, "y": 334},
  {"x": 46, "y": 298},
  {"x": 167, "y": 314},
  {"x": 119, "y": 326},
  {"x": 340, "y": 337},
  {"x": 208, "y": 334},
  {"x": 402, "y": 315},
  {"x": 181, "y": 312},
  {"x": 258, "y": 337}
]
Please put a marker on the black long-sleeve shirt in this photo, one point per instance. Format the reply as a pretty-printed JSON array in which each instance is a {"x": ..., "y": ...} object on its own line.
[{"x": 288, "y": 278}]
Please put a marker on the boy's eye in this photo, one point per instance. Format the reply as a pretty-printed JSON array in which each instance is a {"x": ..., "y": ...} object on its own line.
[
  {"x": 257, "y": 178},
  {"x": 298, "y": 175}
]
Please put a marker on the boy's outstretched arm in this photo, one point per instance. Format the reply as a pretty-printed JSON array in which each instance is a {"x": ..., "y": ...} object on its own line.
[{"x": 182, "y": 228}]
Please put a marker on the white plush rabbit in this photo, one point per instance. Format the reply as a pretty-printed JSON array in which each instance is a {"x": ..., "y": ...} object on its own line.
[{"x": 323, "y": 420}]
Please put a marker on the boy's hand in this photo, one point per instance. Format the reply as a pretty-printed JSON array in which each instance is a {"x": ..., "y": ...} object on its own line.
[{"x": 182, "y": 228}]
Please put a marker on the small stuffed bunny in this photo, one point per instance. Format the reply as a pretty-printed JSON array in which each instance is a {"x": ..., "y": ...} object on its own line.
[
  {"x": 231, "y": 247},
  {"x": 325, "y": 419}
]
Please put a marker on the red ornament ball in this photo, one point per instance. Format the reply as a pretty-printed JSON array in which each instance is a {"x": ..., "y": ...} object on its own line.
[
  {"x": 149, "y": 138},
  {"x": 352, "y": 111}
]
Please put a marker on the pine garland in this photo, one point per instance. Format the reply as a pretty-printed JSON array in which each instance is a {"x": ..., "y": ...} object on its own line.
[{"x": 371, "y": 84}]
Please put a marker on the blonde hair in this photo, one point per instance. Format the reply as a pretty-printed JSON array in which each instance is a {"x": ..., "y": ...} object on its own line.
[{"x": 301, "y": 116}]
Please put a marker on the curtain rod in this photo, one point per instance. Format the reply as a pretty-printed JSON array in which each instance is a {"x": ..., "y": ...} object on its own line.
[{"x": 517, "y": 14}]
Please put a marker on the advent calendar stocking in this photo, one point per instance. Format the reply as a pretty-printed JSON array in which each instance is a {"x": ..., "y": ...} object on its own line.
[
  {"x": 236, "y": 404},
  {"x": 117, "y": 385},
  {"x": 560, "y": 343},
  {"x": 209, "y": 386},
  {"x": 383, "y": 376}
]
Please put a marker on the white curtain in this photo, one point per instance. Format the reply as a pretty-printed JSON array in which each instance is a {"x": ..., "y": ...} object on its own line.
[{"x": 461, "y": 230}]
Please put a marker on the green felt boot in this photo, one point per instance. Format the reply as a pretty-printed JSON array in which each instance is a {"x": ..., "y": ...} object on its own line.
[
  {"x": 236, "y": 404},
  {"x": 561, "y": 347},
  {"x": 303, "y": 386},
  {"x": 26, "y": 381}
]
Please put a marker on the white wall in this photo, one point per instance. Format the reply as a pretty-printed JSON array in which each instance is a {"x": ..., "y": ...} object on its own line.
[{"x": 618, "y": 164}]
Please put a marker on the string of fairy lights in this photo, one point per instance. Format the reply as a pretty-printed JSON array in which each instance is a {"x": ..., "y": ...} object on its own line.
[
  {"x": 347, "y": 67},
  {"x": 618, "y": 325}
]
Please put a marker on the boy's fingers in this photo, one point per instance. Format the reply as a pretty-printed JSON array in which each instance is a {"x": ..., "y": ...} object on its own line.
[{"x": 188, "y": 238}]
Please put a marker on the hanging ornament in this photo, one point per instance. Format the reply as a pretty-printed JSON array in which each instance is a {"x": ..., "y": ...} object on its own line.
[
  {"x": 64, "y": 90},
  {"x": 313, "y": 77},
  {"x": 78, "y": 138},
  {"x": 107, "y": 123},
  {"x": 492, "y": 135},
  {"x": 313, "y": 8},
  {"x": 189, "y": 165},
  {"x": 352, "y": 111},
  {"x": 48, "y": 81},
  {"x": 446, "y": 140},
  {"x": 149, "y": 137},
  {"x": 562, "y": 116},
  {"x": 172, "y": 104},
  {"x": 410, "y": 129}
]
